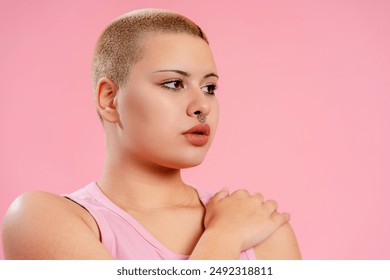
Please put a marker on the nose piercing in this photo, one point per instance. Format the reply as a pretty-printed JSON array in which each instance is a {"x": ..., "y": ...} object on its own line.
[{"x": 201, "y": 118}]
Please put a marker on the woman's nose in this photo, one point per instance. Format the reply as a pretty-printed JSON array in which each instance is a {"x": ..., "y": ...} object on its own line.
[{"x": 199, "y": 105}]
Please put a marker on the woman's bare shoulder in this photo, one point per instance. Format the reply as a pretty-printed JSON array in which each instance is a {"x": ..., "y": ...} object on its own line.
[
  {"x": 34, "y": 207},
  {"x": 281, "y": 245},
  {"x": 41, "y": 225}
]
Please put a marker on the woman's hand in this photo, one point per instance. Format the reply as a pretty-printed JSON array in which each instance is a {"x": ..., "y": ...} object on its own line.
[
  {"x": 236, "y": 222},
  {"x": 247, "y": 219}
]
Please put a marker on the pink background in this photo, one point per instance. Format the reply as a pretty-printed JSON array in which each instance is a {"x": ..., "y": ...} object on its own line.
[{"x": 304, "y": 93}]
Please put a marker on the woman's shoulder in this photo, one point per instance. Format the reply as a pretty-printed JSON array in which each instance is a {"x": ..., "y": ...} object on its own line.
[
  {"x": 37, "y": 199},
  {"x": 282, "y": 245},
  {"x": 42, "y": 225},
  {"x": 41, "y": 205}
]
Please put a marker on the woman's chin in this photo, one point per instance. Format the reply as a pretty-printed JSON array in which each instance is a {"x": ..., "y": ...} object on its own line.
[{"x": 184, "y": 164}]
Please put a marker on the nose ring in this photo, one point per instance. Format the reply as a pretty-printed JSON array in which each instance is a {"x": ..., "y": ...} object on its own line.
[{"x": 201, "y": 118}]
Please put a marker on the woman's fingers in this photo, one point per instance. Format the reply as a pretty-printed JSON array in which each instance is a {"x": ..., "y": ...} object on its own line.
[
  {"x": 270, "y": 206},
  {"x": 246, "y": 218},
  {"x": 221, "y": 194},
  {"x": 280, "y": 218},
  {"x": 260, "y": 196}
]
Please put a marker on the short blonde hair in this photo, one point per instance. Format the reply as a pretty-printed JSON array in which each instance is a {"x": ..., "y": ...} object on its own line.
[{"x": 119, "y": 46}]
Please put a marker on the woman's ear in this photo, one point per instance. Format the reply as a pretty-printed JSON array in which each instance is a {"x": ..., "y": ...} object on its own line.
[{"x": 106, "y": 92}]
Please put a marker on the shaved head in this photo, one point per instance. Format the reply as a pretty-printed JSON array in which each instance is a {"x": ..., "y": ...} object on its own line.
[{"x": 119, "y": 46}]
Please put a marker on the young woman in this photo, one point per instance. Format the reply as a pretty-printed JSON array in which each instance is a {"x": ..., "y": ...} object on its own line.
[{"x": 154, "y": 77}]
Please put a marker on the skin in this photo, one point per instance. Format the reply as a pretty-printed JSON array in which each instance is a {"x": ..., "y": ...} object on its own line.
[{"x": 142, "y": 171}]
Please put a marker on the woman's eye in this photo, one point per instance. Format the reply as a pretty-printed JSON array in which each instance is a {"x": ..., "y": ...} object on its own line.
[
  {"x": 174, "y": 85},
  {"x": 210, "y": 89}
]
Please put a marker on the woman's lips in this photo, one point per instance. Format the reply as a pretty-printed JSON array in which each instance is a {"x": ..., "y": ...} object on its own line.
[{"x": 198, "y": 135}]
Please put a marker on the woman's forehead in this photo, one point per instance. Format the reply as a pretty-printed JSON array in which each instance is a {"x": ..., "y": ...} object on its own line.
[{"x": 176, "y": 48}]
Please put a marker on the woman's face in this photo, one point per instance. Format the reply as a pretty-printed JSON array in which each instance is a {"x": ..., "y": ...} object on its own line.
[{"x": 166, "y": 90}]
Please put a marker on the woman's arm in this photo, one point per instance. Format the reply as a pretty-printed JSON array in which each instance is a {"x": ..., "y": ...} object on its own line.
[{"x": 40, "y": 225}]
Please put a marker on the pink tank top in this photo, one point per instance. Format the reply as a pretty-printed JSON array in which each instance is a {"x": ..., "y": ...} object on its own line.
[{"x": 122, "y": 235}]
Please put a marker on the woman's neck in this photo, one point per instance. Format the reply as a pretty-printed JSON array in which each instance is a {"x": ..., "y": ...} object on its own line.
[{"x": 144, "y": 186}]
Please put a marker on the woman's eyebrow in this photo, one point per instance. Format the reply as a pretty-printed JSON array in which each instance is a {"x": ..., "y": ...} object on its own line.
[
  {"x": 212, "y": 75},
  {"x": 176, "y": 71},
  {"x": 185, "y": 74}
]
